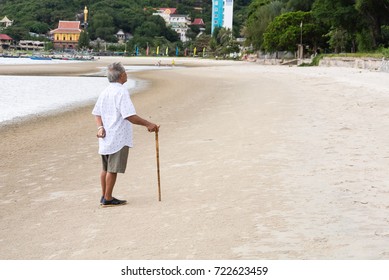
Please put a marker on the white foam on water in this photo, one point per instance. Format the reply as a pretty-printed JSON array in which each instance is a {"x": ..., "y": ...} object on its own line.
[
  {"x": 24, "y": 60},
  {"x": 23, "y": 96}
]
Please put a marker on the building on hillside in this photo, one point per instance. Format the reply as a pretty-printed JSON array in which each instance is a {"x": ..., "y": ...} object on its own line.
[
  {"x": 228, "y": 14},
  {"x": 165, "y": 13},
  {"x": 222, "y": 14},
  {"x": 200, "y": 23},
  {"x": 180, "y": 24},
  {"x": 66, "y": 35},
  {"x": 123, "y": 37},
  {"x": 5, "y": 42},
  {"x": 29, "y": 45},
  {"x": 6, "y": 22}
]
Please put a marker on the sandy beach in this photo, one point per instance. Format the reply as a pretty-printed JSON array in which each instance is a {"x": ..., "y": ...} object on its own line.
[{"x": 257, "y": 162}]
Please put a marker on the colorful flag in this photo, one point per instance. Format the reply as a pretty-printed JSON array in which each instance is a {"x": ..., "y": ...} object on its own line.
[
  {"x": 176, "y": 50},
  {"x": 158, "y": 50},
  {"x": 167, "y": 51},
  {"x": 147, "y": 50},
  {"x": 194, "y": 51}
]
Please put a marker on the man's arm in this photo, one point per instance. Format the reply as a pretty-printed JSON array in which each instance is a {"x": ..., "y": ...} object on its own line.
[
  {"x": 135, "y": 119},
  {"x": 100, "y": 127}
]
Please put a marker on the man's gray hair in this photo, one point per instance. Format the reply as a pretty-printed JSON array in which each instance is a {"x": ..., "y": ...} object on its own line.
[{"x": 114, "y": 71}]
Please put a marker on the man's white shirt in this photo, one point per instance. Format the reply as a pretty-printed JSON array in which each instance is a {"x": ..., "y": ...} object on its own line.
[{"x": 114, "y": 105}]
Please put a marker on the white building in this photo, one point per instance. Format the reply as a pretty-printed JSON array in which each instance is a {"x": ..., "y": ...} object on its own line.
[
  {"x": 29, "y": 45},
  {"x": 165, "y": 13},
  {"x": 228, "y": 14},
  {"x": 179, "y": 23}
]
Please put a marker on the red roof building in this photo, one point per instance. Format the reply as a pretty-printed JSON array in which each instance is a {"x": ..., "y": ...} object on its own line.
[
  {"x": 5, "y": 41},
  {"x": 66, "y": 35},
  {"x": 198, "y": 21},
  {"x": 5, "y": 37},
  {"x": 168, "y": 11}
]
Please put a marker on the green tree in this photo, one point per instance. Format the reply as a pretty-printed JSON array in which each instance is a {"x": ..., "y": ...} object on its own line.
[
  {"x": 202, "y": 41},
  {"x": 338, "y": 40},
  {"x": 37, "y": 27},
  {"x": 336, "y": 13},
  {"x": 148, "y": 29},
  {"x": 287, "y": 30},
  {"x": 192, "y": 32},
  {"x": 223, "y": 42},
  {"x": 260, "y": 14},
  {"x": 102, "y": 27},
  {"x": 365, "y": 40},
  {"x": 299, "y": 5},
  {"x": 155, "y": 26},
  {"x": 240, "y": 15},
  {"x": 339, "y": 16},
  {"x": 49, "y": 46},
  {"x": 376, "y": 14},
  {"x": 17, "y": 33},
  {"x": 385, "y": 35},
  {"x": 83, "y": 41},
  {"x": 106, "y": 17}
]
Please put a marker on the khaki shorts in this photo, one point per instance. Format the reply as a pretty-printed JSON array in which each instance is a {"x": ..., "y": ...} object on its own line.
[{"x": 117, "y": 162}]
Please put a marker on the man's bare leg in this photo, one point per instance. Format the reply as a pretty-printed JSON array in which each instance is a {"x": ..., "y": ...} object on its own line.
[
  {"x": 103, "y": 176},
  {"x": 110, "y": 180}
]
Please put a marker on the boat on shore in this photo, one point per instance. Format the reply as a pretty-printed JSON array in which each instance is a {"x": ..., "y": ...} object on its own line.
[
  {"x": 35, "y": 57},
  {"x": 10, "y": 55},
  {"x": 72, "y": 57}
]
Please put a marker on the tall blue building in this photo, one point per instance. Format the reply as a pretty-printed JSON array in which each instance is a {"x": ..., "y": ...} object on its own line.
[
  {"x": 217, "y": 14},
  {"x": 222, "y": 14}
]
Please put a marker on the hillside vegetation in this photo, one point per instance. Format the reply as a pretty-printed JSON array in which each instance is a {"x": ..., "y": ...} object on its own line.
[
  {"x": 106, "y": 17},
  {"x": 325, "y": 26}
]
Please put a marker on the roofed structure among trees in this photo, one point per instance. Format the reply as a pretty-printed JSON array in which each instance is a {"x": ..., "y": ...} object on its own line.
[
  {"x": 66, "y": 35},
  {"x": 6, "y": 22}
]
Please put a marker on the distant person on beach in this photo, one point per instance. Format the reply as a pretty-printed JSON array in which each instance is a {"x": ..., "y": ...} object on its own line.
[{"x": 115, "y": 114}]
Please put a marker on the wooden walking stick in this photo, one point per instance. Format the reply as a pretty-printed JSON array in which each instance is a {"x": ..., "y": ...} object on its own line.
[{"x": 159, "y": 177}]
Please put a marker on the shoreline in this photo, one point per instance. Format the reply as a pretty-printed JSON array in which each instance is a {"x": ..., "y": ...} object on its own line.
[
  {"x": 87, "y": 69},
  {"x": 256, "y": 162},
  {"x": 137, "y": 85},
  {"x": 92, "y": 67}
]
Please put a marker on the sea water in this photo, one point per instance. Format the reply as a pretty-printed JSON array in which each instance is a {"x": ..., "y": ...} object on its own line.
[
  {"x": 25, "y": 96},
  {"x": 24, "y": 60},
  {"x": 29, "y": 96}
]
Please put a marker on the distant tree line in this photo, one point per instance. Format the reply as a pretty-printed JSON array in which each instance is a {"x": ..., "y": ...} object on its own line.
[
  {"x": 107, "y": 17},
  {"x": 327, "y": 25},
  {"x": 267, "y": 25}
]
